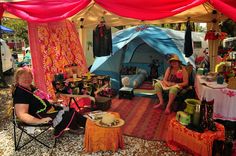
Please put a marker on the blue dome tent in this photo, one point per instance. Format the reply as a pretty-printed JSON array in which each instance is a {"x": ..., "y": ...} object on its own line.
[{"x": 139, "y": 46}]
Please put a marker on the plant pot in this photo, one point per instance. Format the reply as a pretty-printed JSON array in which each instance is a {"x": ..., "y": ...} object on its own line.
[{"x": 191, "y": 105}]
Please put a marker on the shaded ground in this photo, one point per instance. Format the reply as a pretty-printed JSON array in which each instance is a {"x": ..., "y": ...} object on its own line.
[{"x": 5, "y": 102}]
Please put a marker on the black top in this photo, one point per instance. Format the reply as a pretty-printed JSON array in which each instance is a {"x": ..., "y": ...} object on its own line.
[
  {"x": 102, "y": 41},
  {"x": 25, "y": 96},
  {"x": 70, "y": 118}
]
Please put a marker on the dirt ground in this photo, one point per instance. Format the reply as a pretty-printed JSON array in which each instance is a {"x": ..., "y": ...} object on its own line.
[
  {"x": 133, "y": 146},
  {"x": 5, "y": 102}
]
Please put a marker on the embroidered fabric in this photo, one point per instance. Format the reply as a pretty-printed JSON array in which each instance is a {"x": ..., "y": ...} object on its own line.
[
  {"x": 41, "y": 94},
  {"x": 58, "y": 118}
]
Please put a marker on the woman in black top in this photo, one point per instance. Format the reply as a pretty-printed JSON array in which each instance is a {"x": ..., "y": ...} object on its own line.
[{"x": 33, "y": 107}]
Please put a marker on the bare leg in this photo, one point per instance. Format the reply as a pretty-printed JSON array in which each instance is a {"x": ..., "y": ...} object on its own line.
[
  {"x": 171, "y": 100},
  {"x": 160, "y": 97}
]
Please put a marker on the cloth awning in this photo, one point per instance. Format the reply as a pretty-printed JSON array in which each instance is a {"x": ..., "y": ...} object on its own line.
[
  {"x": 4, "y": 29},
  {"x": 141, "y": 11}
]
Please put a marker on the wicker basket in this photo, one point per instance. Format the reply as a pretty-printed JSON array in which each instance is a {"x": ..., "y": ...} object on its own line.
[
  {"x": 102, "y": 103},
  {"x": 232, "y": 83}
]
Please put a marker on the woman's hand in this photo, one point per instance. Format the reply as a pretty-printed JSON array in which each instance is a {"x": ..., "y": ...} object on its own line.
[
  {"x": 169, "y": 84},
  {"x": 45, "y": 120}
]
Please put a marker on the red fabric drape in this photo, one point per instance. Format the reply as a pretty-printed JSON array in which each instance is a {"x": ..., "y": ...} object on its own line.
[
  {"x": 51, "y": 10},
  {"x": 54, "y": 45},
  {"x": 45, "y": 11},
  {"x": 148, "y": 9},
  {"x": 227, "y": 7},
  {"x": 1, "y": 10}
]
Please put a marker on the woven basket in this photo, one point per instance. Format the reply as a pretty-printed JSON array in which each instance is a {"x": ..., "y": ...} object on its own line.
[
  {"x": 232, "y": 83},
  {"x": 103, "y": 103}
]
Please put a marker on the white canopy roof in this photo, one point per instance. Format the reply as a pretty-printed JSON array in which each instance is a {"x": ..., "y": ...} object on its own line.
[{"x": 93, "y": 14}]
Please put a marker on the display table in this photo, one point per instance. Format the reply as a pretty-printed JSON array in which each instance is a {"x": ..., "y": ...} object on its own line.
[
  {"x": 196, "y": 143},
  {"x": 102, "y": 139},
  {"x": 224, "y": 98}
]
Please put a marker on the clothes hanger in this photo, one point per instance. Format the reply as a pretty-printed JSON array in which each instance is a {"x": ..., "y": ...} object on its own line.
[{"x": 102, "y": 22}]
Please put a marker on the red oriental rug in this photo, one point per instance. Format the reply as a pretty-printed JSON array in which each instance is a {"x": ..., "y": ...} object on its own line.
[
  {"x": 146, "y": 85},
  {"x": 141, "y": 120}
]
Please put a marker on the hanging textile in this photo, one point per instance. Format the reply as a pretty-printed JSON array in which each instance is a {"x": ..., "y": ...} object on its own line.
[
  {"x": 44, "y": 10},
  {"x": 51, "y": 10},
  {"x": 188, "y": 47},
  {"x": 54, "y": 45},
  {"x": 102, "y": 40}
]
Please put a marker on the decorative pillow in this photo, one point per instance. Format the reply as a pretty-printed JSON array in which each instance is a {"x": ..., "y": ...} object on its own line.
[
  {"x": 131, "y": 70},
  {"x": 125, "y": 81},
  {"x": 128, "y": 70},
  {"x": 123, "y": 71},
  {"x": 142, "y": 71}
]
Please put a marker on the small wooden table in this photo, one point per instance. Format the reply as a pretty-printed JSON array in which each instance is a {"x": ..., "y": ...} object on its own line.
[
  {"x": 126, "y": 92},
  {"x": 102, "y": 139},
  {"x": 197, "y": 143}
]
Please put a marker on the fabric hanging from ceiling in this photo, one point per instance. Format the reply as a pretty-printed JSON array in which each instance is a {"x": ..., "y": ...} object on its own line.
[
  {"x": 1, "y": 10},
  {"x": 188, "y": 47},
  {"x": 148, "y": 9},
  {"x": 44, "y": 11},
  {"x": 51, "y": 10},
  {"x": 227, "y": 7},
  {"x": 54, "y": 45},
  {"x": 102, "y": 40}
]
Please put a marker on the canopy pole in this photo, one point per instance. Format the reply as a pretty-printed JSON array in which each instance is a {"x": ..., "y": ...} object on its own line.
[{"x": 213, "y": 44}]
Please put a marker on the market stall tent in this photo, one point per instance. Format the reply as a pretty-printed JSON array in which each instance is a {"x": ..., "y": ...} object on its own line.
[
  {"x": 174, "y": 10},
  {"x": 91, "y": 16},
  {"x": 149, "y": 10}
]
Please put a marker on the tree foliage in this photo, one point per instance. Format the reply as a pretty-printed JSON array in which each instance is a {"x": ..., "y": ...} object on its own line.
[
  {"x": 19, "y": 26},
  {"x": 229, "y": 27},
  {"x": 182, "y": 26}
]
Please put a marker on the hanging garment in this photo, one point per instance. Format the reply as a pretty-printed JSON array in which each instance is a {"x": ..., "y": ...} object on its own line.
[
  {"x": 102, "y": 40},
  {"x": 188, "y": 48}
]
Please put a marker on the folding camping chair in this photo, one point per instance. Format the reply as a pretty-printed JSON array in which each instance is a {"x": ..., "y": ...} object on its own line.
[{"x": 20, "y": 141}]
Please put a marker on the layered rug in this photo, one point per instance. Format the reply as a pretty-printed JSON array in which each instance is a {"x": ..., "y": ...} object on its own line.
[
  {"x": 147, "y": 85},
  {"x": 145, "y": 89},
  {"x": 141, "y": 119}
]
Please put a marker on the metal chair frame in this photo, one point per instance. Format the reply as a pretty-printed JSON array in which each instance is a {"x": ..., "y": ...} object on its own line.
[{"x": 22, "y": 127}]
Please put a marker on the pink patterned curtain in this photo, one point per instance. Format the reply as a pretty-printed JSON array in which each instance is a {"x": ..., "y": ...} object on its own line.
[{"x": 54, "y": 45}]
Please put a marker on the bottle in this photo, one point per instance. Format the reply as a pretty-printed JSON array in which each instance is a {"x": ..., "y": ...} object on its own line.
[
  {"x": 196, "y": 116},
  {"x": 220, "y": 79}
]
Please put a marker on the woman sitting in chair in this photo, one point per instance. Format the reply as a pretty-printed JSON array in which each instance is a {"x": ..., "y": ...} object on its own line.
[
  {"x": 31, "y": 107},
  {"x": 175, "y": 79}
]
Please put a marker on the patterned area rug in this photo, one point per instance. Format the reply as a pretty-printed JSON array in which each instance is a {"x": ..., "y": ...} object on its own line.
[
  {"x": 141, "y": 120},
  {"x": 145, "y": 89},
  {"x": 146, "y": 85}
]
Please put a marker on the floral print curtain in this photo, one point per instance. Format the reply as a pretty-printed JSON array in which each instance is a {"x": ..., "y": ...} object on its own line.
[{"x": 54, "y": 45}]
